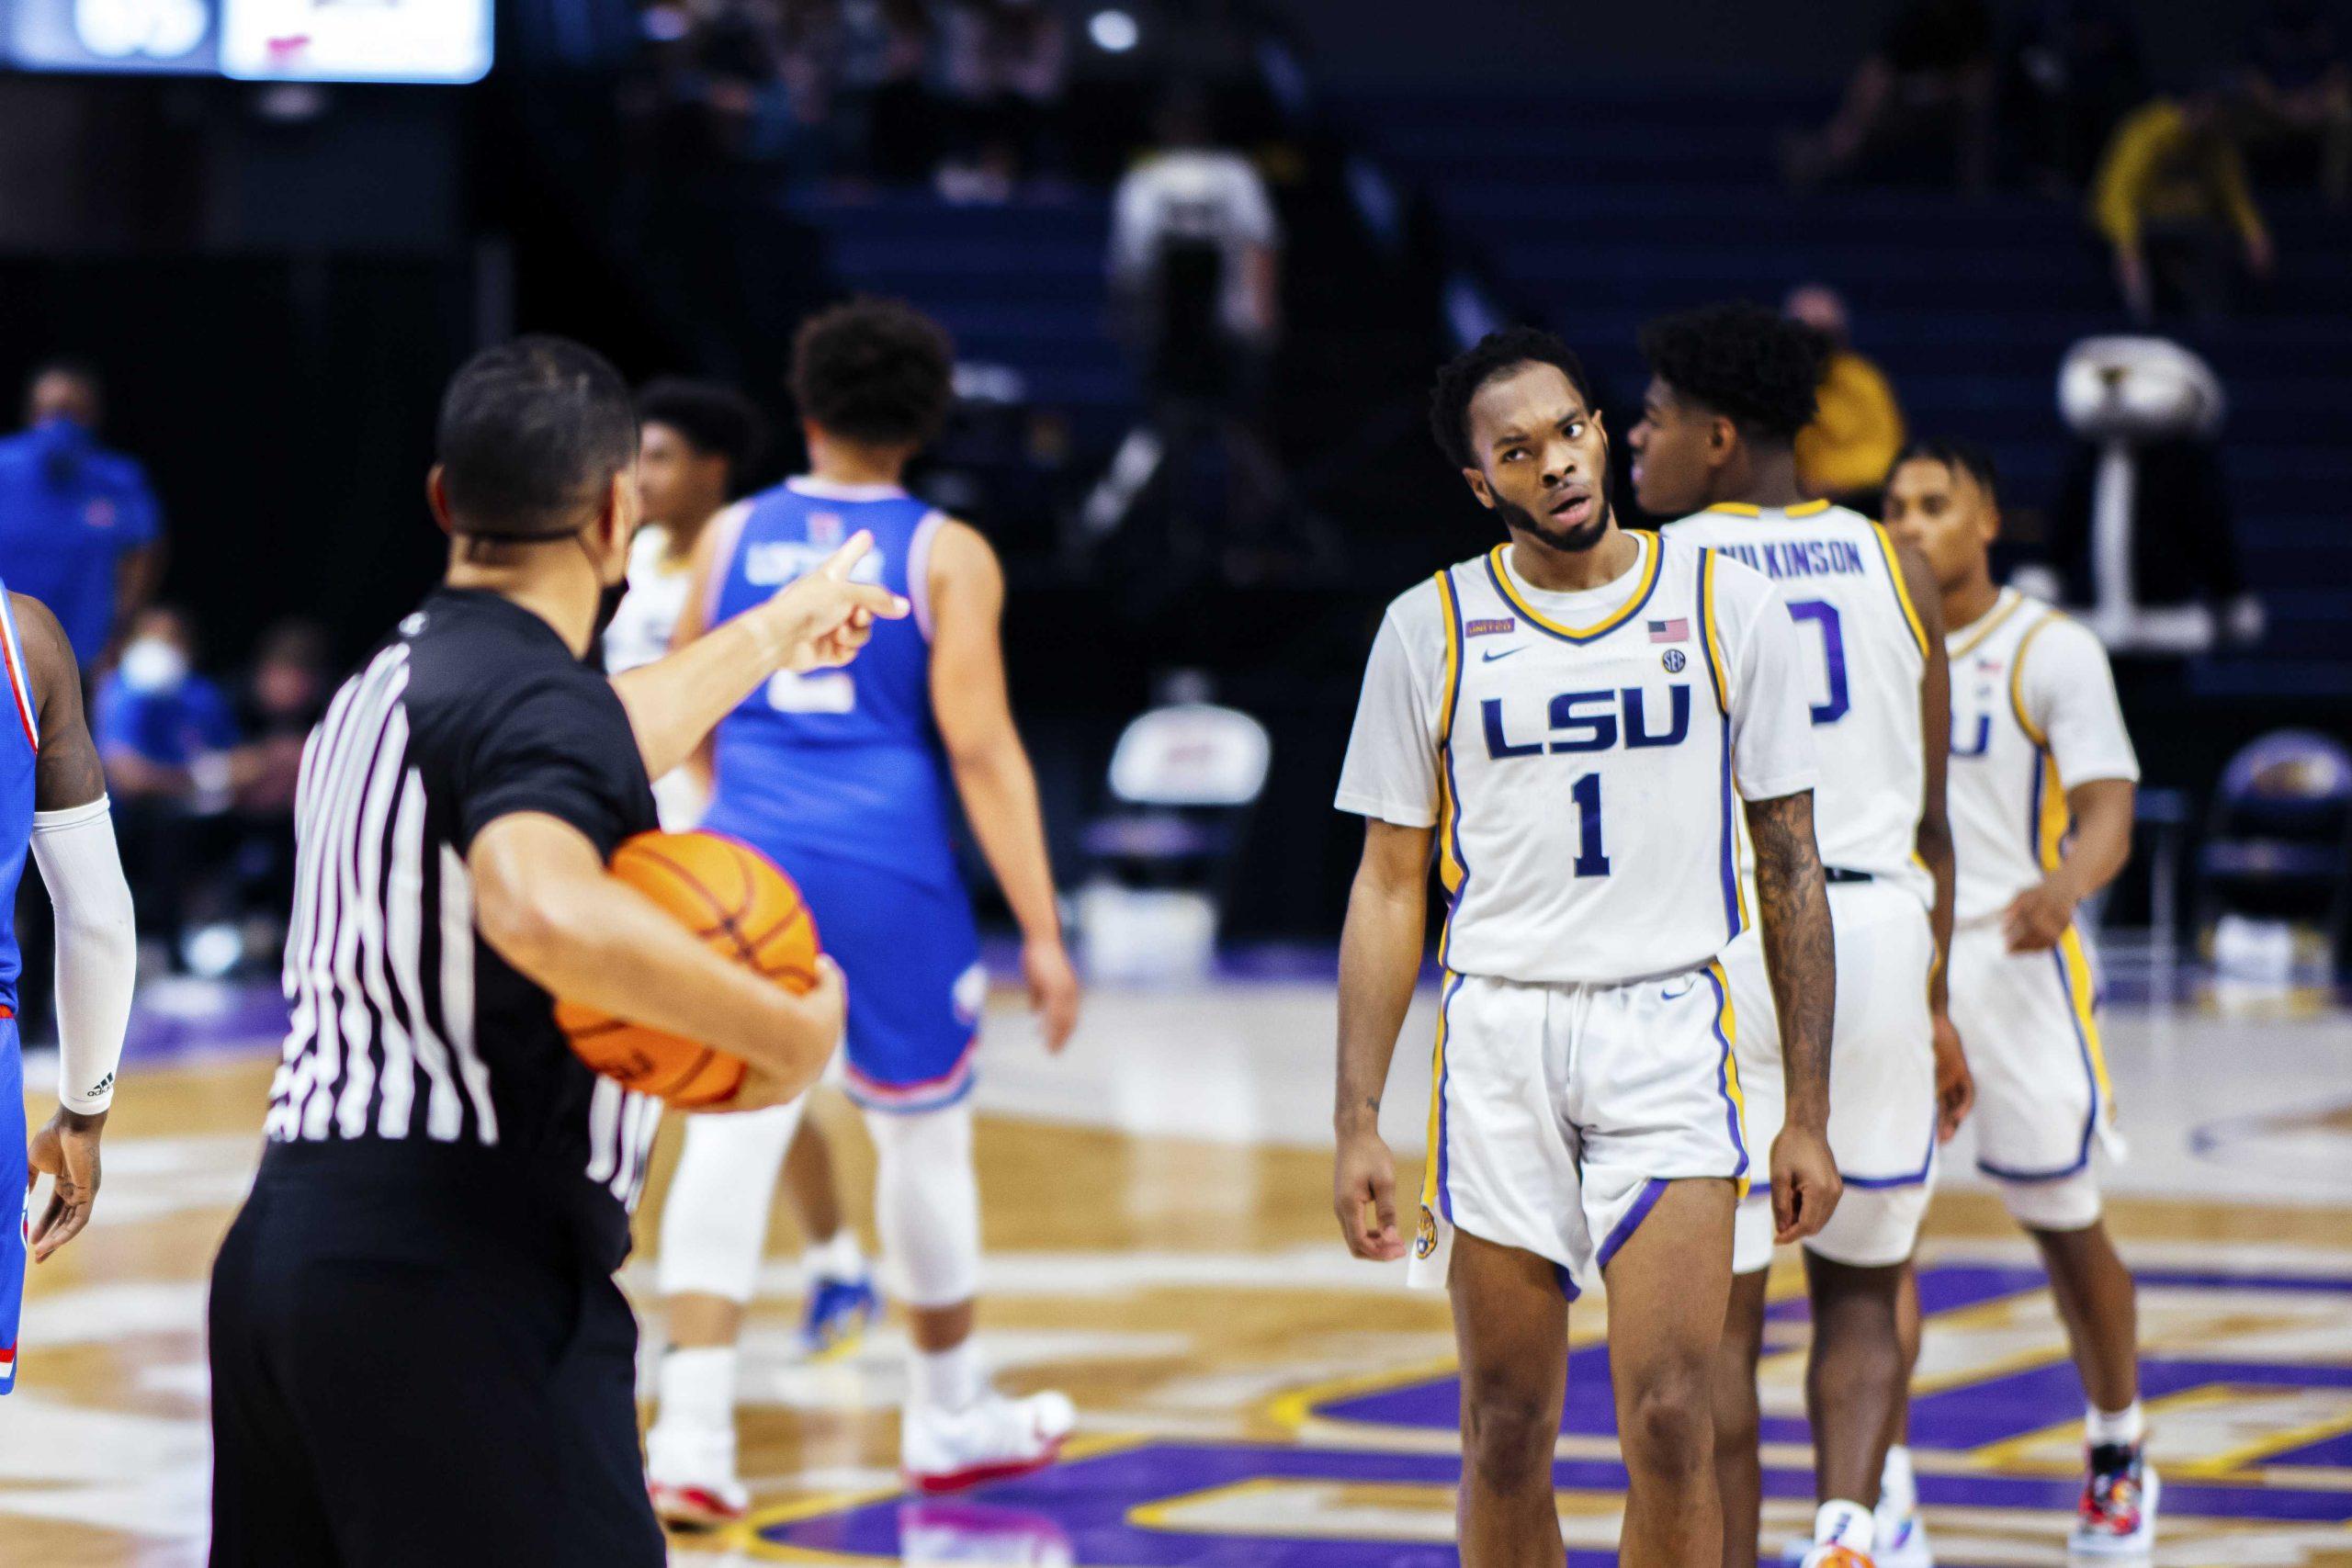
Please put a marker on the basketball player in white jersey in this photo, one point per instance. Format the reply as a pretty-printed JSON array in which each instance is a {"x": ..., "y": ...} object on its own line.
[
  {"x": 696, "y": 442},
  {"x": 1731, "y": 385},
  {"x": 2043, "y": 776},
  {"x": 1562, "y": 723}
]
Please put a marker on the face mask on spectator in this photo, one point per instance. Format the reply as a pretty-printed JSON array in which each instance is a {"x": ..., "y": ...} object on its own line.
[{"x": 151, "y": 664}]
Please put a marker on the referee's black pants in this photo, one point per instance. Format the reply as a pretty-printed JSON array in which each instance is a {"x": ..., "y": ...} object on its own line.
[{"x": 397, "y": 1389}]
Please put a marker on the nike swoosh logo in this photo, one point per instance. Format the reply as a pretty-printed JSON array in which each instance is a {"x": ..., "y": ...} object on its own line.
[
  {"x": 1670, "y": 994},
  {"x": 1491, "y": 655}
]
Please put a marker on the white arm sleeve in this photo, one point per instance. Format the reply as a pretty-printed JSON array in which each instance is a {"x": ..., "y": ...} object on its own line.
[{"x": 97, "y": 950}]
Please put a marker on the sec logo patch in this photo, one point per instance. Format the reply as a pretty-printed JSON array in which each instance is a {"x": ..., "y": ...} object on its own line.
[{"x": 1674, "y": 661}]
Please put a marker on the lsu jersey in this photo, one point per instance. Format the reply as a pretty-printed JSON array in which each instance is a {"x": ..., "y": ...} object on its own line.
[
  {"x": 2034, "y": 715},
  {"x": 641, "y": 633},
  {"x": 1578, "y": 755},
  {"x": 1867, "y": 654},
  {"x": 648, "y": 612}
]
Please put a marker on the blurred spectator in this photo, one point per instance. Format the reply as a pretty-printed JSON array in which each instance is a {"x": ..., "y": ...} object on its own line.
[
  {"x": 2171, "y": 197},
  {"x": 2079, "y": 69},
  {"x": 1196, "y": 260},
  {"x": 1934, "y": 70},
  {"x": 1004, "y": 64},
  {"x": 165, "y": 734},
  {"x": 79, "y": 528},
  {"x": 1195, "y": 274},
  {"x": 2298, "y": 88},
  {"x": 283, "y": 698},
  {"x": 1847, "y": 450}
]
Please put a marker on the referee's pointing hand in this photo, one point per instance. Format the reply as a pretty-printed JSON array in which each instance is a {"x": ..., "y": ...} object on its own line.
[{"x": 827, "y": 616}]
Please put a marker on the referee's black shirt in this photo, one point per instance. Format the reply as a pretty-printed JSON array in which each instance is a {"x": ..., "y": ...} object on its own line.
[{"x": 418, "y": 1059}]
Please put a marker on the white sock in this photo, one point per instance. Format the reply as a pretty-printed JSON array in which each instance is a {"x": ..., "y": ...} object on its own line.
[
  {"x": 698, "y": 1389},
  {"x": 947, "y": 1380},
  {"x": 1898, "y": 1491},
  {"x": 2126, "y": 1426},
  {"x": 1847, "y": 1524},
  {"x": 838, "y": 1258}
]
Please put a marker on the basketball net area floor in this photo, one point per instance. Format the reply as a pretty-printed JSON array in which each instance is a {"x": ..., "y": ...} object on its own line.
[{"x": 1160, "y": 1245}]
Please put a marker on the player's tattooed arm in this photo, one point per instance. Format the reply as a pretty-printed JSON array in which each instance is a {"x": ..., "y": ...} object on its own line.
[
  {"x": 1380, "y": 957},
  {"x": 1800, "y": 953}
]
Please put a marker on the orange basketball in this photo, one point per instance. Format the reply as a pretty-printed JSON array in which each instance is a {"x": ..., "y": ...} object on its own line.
[{"x": 744, "y": 909}]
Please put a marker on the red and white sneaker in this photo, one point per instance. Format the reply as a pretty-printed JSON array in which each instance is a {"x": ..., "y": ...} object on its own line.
[
  {"x": 995, "y": 1438},
  {"x": 1831, "y": 1554},
  {"x": 690, "y": 1476},
  {"x": 697, "y": 1507},
  {"x": 2117, "y": 1517}
]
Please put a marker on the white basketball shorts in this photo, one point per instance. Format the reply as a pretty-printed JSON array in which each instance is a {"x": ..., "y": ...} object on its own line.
[
  {"x": 1559, "y": 1112},
  {"x": 2030, "y": 1024},
  {"x": 1882, "y": 1080}
]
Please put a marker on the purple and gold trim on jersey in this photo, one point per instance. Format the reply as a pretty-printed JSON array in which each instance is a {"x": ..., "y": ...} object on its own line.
[
  {"x": 1727, "y": 1070},
  {"x": 1622, "y": 1231},
  {"x": 1646, "y": 584},
  {"x": 1453, "y": 873},
  {"x": 1885, "y": 542},
  {"x": 1710, "y": 638},
  {"x": 1436, "y": 1197}
]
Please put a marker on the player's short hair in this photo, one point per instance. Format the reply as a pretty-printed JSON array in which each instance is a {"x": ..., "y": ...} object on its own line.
[
  {"x": 874, "y": 371},
  {"x": 717, "y": 421},
  {"x": 530, "y": 435},
  {"x": 1754, "y": 367},
  {"x": 1961, "y": 457},
  {"x": 1459, "y": 379}
]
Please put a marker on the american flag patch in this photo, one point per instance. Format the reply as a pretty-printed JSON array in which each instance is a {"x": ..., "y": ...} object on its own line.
[
  {"x": 1492, "y": 627},
  {"x": 1675, "y": 630}
]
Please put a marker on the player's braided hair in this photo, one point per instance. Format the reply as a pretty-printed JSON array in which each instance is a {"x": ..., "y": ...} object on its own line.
[
  {"x": 1754, "y": 367},
  {"x": 1961, "y": 457},
  {"x": 1458, "y": 379},
  {"x": 873, "y": 371}
]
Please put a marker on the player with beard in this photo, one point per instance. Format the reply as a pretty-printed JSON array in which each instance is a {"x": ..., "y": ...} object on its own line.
[{"x": 1563, "y": 722}]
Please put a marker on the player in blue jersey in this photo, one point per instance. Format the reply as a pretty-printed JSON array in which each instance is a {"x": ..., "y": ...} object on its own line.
[
  {"x": 53, "y": 805},
  {"x": 845, "y": 778}
]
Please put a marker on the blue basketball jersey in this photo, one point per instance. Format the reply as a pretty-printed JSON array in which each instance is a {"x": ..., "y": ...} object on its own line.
[
  {"x": 844, "y": 763},
  {"x": 19, "y": 744}
]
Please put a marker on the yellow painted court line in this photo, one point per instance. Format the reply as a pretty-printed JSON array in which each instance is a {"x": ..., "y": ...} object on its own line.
[{"x": 745, "y": 1537}]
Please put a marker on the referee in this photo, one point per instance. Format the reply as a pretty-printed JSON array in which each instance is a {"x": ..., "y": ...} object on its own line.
[{"x": 419, "y": 1356}]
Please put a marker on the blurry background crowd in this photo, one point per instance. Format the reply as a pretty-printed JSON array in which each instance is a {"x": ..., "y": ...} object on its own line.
[{"x": 1199, "y": 257}]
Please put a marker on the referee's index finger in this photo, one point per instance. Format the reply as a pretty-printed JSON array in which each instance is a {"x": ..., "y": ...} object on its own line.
[{"x": 837, "y": 565}]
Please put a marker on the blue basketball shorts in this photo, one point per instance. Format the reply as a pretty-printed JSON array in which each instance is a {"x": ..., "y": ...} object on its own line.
[{"x": 911, "y": 956}]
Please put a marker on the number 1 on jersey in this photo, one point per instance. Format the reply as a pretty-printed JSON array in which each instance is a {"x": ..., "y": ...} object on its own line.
[{"x": 1592, "y": 859}]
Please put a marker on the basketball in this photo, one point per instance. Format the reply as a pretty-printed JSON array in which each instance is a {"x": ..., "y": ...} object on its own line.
[{"x": 745, "y": 910}]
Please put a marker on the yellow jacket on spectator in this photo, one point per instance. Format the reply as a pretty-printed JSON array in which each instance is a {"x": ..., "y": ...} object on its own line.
[
  {"x": 2158, "y": 170},
  {"x": 1852, "y": 441}
]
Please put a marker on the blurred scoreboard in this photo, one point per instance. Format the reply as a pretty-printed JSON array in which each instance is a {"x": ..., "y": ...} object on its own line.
[{"x": 265, "y": 40}]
